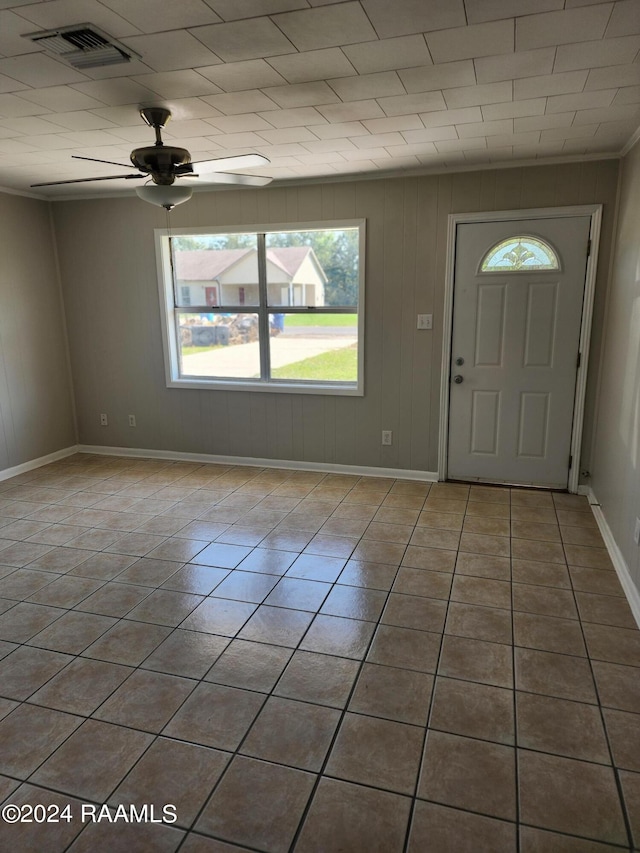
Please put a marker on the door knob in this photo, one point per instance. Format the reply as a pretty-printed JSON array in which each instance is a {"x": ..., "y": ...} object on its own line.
[
  {"x": 459, "y": 360},
  {"x": 458, "y": 379}
]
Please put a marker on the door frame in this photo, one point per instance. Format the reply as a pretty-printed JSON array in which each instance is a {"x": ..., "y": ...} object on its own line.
[{"x": 594, "y": 211}]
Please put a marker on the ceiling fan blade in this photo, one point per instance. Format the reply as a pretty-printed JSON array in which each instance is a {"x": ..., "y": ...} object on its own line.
[
  {"x": 222, "y": 164},
  {"x": 110, "y": 162},
  {"x": 231, "y": 178},
  {"x": 84, "y": 180}
]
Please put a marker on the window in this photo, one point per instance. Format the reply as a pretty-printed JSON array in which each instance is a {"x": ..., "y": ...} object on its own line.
[
  {"x": 520, "y": 253},
  {"x": 277, "y": 310}
]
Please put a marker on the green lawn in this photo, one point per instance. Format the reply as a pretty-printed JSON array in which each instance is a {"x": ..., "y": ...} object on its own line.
[
  {"x": 196, "y": 350},
  {"x": 340, "y": 365},
  {"x": 313, "y": 319}
]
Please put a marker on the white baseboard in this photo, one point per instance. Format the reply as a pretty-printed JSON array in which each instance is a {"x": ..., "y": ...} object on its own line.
[
  {"x": 622, "y": 570},
  {"x": 323, "y": 467},
  {"x": 8, "y": 473}
]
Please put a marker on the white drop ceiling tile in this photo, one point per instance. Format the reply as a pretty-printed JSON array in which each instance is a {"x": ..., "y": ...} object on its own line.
[
  {"x": 387, "y": 125},
  {"x": 327, "y": 26},
  {"x": 126, "y": 116},
  {"x": 47, "y": 141},
  {"x": 408, "y": 104},
  {"x": 9, "y": 84},
  {"x": 236, "y": 76},
  {"x": 312, "y": 65},
  {"x": 379, "y": 85},
  {"x": 237, "y": 103},
  {"x": 403, "y": 17},
  {"x": 321, "y": 145},
  {"x": 201, "y": 147},
  {"x": 353, "y": 111},
  {"x": 613, "y": 76},
  {"x": 568, "y": 132},
  {"x": 443, "y": 76},
  {"x": 61, "y": 99},
  {"x": 460, "y": 144},
  {"x": 58, "y": 13},
  {"x": 471, "y": 96},
  {"x": 139, "y": 134},
  {"x": 430, "y": 134},
  {"x": 12, "y": 27},
  {"x": 172, "y": 51},
  {"x": 573, "y": 4},
  {"x": 236, "y": 140},
  {"x": 185, "y": 109},
  {"x": 365, "y": 154},
  {"x": 340, "y": 129},
  {"x": 388, "y": 54},
  {"x": 288, "y": 134},
  {"x": 38, "y": 70},
  {"x": 178, "y": 84},
  {"x": 607, "y": 114},
  {"x": 530, "y": 138},
  {"x": 15, "y": 146},
  {"x": 356, "y": 168},
  {"x": 286, "y": 149},
  {"x": 116, "y": 92},
  {"x": 300, "y": 117},
  {"x": 531, "y": 107},
  {"x": 565, "y": 27},
  {"x": 126, "y": 69},
  {"x": 301, "y": 94},
  {"x": 511, "y": 66},
  {"x": 485, "y": 128},
  {"x": 441, "y": 118},
  {"x": 91, "y": 137},
  {"x": 6, "y": 133},
  {"x": 319, "y": 158},
  {"x": 253, "y": 38},
  {"x": 580, "y": 101},
  {"x": 378, "y": 140},
  {"x": 597, "y": 54},
  {"x": 479, "y": 11},
  {"x": 544, "y": 122},
  {"x": 30, "y": 125},
  {"x": 233, "y": 10},
  {"x": 418, "y": 149},
  {"x": 81, "y": 120},
  {"x": 154, "y": 16},
  {"x": 13, "y": 105},
  {"x": 240, "y": 124},
  {"x": 472, "y": 41},
  {"x": 625, "y": 19},
  {"x": 617, "y": 129},
  {"x": 314, "y": 171},
  {"x": 627, "y": 95},
  {"x": 563, "y": 83}
]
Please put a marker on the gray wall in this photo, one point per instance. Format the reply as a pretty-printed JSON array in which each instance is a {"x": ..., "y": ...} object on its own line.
[
  {"x": 110, "y": 287},
  {"x": 616, "y": 458},
  {"x": 36, "y": 412}
]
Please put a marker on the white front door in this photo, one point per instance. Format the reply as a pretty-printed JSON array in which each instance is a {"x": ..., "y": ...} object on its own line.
[{"x": 517, "y": 310}]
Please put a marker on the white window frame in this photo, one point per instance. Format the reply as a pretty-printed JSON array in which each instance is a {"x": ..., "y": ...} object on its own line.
[{"x": 170, "y": 343}]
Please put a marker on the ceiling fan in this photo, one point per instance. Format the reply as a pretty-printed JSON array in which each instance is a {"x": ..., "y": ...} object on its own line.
[{"x": 163, "y": 164}]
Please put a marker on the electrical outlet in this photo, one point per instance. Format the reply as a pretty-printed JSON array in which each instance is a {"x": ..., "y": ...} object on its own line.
[
  {"x": 132, "y": 420},
  {"x": 636, "y": 532},
  {"x": 104, "y": 420},
  {"x": 425, "y": 321},
  {"x": 387, "y": 436}
]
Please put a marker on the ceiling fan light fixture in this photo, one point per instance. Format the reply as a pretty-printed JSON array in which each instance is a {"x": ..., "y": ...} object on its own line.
[{"x": 164, "y": 196}]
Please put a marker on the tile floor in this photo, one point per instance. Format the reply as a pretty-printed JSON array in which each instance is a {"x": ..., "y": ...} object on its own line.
[{"x": 312, "y": 662}]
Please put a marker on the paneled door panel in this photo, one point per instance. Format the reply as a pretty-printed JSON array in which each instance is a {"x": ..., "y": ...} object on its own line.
[{"x": 518, "y": 295}]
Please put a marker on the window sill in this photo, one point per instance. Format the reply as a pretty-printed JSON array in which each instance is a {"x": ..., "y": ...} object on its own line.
[{"x": 277, "y": 387}]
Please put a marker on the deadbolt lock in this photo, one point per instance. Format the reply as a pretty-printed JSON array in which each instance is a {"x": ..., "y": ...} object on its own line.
[{"x": 459, "y": 360}]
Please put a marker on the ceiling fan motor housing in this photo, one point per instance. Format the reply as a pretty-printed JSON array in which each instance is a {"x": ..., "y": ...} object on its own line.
[{"x": 161, "y": 161}]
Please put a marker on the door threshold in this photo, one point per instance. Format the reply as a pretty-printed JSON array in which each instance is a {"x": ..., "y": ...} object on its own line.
[{"x": 502, "y": 485}]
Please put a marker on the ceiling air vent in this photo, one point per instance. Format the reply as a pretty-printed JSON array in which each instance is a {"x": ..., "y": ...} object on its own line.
[{"x": 83, "y": 46}]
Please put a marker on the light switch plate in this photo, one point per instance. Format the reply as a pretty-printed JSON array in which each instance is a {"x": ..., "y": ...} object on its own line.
[{"x": 425, "y": 321}]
